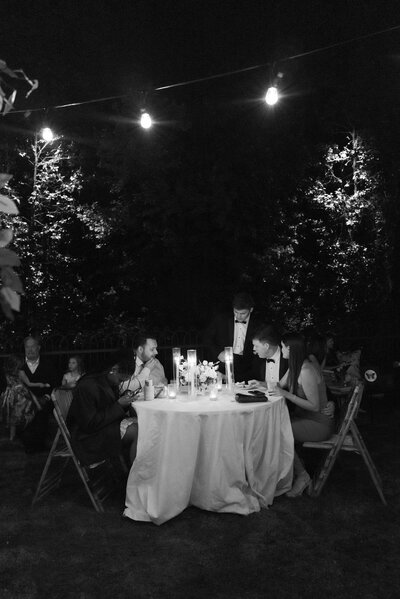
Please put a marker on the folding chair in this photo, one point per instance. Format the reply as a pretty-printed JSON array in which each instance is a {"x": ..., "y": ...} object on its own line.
[
  {"x": 348, "y": 438},
  {"x": 94, "y": 477}
]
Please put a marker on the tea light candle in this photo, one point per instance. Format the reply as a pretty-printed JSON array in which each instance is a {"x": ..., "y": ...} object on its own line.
[
  {"x": 213, "y": 392},
  {"x": 172, "y": 390}
]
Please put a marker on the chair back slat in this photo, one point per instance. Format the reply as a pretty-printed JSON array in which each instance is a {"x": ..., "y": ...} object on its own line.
[{"x": 62, "y": 399}]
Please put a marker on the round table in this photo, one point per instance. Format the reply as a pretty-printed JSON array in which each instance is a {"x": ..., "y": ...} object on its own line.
[{"x": 217, "y": 455}]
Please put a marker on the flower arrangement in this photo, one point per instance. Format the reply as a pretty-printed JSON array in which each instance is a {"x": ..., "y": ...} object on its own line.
[{"x": 205, "y": 374}]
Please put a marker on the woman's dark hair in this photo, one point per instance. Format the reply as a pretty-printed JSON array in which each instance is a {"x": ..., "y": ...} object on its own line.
[
  {"x": 297, "y": 355},
  {"x": 123, "y": 359},
  {"x": 316, "y": 346}
]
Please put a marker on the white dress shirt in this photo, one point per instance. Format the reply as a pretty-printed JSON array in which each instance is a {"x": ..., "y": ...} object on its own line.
[
  {"x": 139, "y": 364},
  {"x": 239, "y": 336},
  {"x": 32, "y": 365},
  {"x": 272, "y": 368}
]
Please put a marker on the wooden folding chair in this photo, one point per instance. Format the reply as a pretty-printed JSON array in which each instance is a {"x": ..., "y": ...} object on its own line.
[
  {"x": 94, "y": 477},
  {"x": 348, "y": 438}
]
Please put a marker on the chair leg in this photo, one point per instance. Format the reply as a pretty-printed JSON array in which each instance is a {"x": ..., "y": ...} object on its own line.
[
  {"x": 46, "y": 467},
  {"x": 324, "y": 472},
  {"x": 85, "y": 479},
  {"x": 359, "y": 442}
]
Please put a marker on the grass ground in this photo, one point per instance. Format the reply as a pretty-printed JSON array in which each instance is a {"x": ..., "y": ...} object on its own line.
[{"x": 344, "y": 544}]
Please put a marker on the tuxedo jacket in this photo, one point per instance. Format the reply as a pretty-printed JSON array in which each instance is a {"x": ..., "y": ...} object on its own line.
[
  {"x": 219, "y": 334},
  {"x": 259, "y": 365},
  {"x": 44, "y": 373}
]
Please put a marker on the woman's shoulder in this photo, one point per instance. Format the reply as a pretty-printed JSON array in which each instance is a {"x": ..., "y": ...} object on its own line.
[{"x": 308, "y": 370}]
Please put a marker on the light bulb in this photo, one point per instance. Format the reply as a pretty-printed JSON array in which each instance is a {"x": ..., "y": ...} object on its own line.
[
  {"x": 272, "y": 96},
  {"x": 145, "y": 120},
  {"x": 47, "y": 134}
]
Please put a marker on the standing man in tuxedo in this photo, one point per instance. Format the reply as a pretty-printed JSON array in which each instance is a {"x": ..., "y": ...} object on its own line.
[
  {"x": 234, "y": 329},
  {"x": 268, "y": 366}
]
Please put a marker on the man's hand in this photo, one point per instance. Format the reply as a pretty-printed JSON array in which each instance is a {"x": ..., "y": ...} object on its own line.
[
  {"x": 221, "y": 356},
  {"x": 255, "y": 383},
  {"x": 125, "y": 401}
]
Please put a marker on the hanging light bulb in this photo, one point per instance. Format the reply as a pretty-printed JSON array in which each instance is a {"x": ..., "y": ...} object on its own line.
[
  {"x": 47, "y": 134},
  {"x": 146, "y": 120},
  {"x": 272, "y": 95}
]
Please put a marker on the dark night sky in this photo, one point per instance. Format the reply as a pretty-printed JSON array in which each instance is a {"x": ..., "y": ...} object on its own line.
[{"x": 92, "y": 48}]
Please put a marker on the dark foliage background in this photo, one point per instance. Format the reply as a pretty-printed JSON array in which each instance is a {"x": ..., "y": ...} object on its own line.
[{"x": 162, "y": 226}]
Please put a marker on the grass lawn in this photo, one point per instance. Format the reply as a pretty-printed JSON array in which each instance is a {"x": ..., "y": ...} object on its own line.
[{"x": 344, "y": 544}]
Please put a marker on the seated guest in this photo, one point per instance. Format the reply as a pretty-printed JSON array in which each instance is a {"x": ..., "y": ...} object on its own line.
[
  {"x": 331, "y": 360},
  {"x": 269, "y": 366},
  {"x": 98, "y": 411},
  {"x": 234, "y": 329},
  {"x": 303, "y": 386},
  {"x": 145, "y": 349},
  {"x": 76, "y": 369},
  {"x": 316, "y": 351},
  {"x": 18, "y": 402},
  {"x": 39, "y": 375}
]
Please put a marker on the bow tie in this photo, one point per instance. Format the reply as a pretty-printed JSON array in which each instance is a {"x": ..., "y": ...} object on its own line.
[
  {"x": 270, "y": 360},
  {"x": 241, "y": 321}
]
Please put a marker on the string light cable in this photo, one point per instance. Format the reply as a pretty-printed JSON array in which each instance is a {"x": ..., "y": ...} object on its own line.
[{"x": 217, "y": 75}]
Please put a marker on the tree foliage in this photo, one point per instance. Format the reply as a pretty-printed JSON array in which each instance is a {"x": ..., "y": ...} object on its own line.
[{"x": 334, "y": 251}]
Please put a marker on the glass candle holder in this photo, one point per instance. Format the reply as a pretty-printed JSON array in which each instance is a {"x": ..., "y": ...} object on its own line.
[
  {"x": 229, "y": 368},
  {"x": 192, "y": 362},
  {"x": 172, "y": 390},
  {"x": 176, "y": 358}
]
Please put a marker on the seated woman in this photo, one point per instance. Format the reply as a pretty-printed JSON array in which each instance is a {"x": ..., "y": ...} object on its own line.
[
  {"x": 17, "y": 400},
  {"x": 98, "y": 419},
  {"x": 304, "y": 386}
]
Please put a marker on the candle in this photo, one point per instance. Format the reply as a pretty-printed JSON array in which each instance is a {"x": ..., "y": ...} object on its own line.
[
  {"x": 176, "y": 358},
  {"x": 229, "y": 367},
  {"x": 213, "y": 392},
  {"x": 172, "y": 390},
  {"x": 192, "y": 361}
]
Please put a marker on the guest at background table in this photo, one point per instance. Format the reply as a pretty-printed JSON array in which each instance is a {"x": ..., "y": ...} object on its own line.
[
  {"x": 39, "y": 374},
  {"x": 145, "y": 349},
  {"x": 233, "y": 329},
  {"x": 98, "y": 419},
  {"x": 316, "y": 352},
  {"x": 18, "y": 402},
  {"x": 76, "y": 369},
  {"x": 269, "y": 365},
  {"x": 303, "y": 386},
  {"x": 331, "y": 360}
]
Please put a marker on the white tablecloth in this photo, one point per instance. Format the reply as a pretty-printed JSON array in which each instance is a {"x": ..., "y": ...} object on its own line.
[{"x": 217, "y": 455}]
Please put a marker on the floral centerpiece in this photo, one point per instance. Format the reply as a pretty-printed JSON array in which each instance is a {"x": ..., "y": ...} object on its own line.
[{"x": 205, "y": 374}]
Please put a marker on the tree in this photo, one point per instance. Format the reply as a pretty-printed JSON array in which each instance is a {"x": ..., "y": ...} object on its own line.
[
  {"x": 336, "y": 260},
  {"x": 54, "y": 234}
]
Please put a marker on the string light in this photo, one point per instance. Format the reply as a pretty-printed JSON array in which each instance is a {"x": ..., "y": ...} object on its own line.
[
  {"x": 47, "y": 134},
  {"x": 145, "y": 120},
  {"x": 219, "y": 75},
  {"x": 272, "y": 95}
]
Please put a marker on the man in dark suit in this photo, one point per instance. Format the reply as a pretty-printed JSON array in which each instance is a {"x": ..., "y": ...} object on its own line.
[
  {"x": 234, "y": 329},
  {"x": 268, "y": 366},
  {"x": 37, "y": 369},
  {"x": 41, "y": 373}
]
